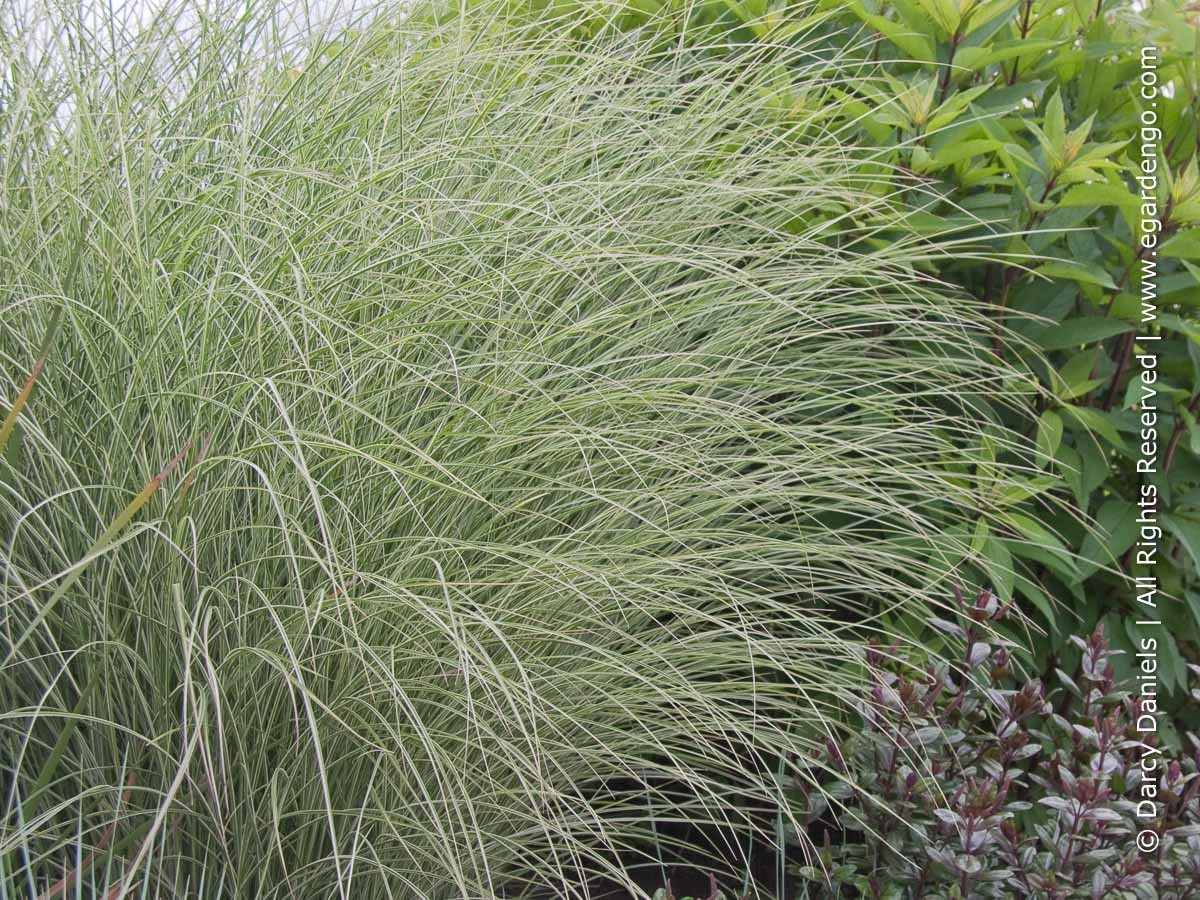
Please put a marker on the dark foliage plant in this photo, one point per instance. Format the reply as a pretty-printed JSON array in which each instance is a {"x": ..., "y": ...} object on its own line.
[{"x": 973, "y": 780}]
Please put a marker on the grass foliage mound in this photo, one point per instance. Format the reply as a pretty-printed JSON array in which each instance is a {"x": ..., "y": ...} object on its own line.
[{"x": 440, "y": 459}]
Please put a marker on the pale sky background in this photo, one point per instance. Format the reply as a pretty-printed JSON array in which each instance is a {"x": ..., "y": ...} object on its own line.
[{"x": 107, "y": 20}]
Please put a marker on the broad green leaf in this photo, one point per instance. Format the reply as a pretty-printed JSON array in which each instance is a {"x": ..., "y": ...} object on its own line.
[
  {"x": 945, "y": 13},
  {"x": 983, "y": 20},
  {"x": 955, "y": 106},
  {"x": 1098, "y": 193},
  {"x": 915, "y": 45},
  {"x": 1096, "y": 422},
  {"x": 1193, "y": 603},
  {"x": 982, "y": 57},
  {"x": 1050, "y": 150},
  {"x": 1077, "y": 332},
  {"x": 1060, "y": 562},
  {"x": 1088, "y": 273},
  {"x": 1092, "y": 154},
  {"x": 1114, "y": 532},
  {"x": 1033, "y": 531},
  {"x": 1008, "y": 99},
  {"x": 981, "y": 536},
  {"x": 1187, "y": 530},
  {"x": 1055, "y": 122},
  {"x": 1184, "y": 245},
  {"x": 1049, "y": 436},
  {"x": 1023, "y": 489},
  {"x": 999, "y": 564},
  {"x": 1070, "y": 464},
  {"x": 1172, "y": 669},
  {"x": 1035, "y": 595}
]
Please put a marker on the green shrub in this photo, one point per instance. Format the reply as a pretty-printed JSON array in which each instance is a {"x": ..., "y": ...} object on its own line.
[
  {"x": 1024, "y": 120},
  {"x": 532, "y": 464}
]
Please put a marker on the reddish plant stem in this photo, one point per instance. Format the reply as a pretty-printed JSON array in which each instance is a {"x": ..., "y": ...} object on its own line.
[
  {"x": 1177, "y": 433},
  {"x": 1025, "y": 13}
]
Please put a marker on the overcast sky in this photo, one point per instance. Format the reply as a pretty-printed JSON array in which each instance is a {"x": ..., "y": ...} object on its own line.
[{"x": 41, "y": 22}]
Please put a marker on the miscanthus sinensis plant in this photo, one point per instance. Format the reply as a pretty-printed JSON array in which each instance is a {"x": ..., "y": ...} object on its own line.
[{"x": 439, "y": 460}]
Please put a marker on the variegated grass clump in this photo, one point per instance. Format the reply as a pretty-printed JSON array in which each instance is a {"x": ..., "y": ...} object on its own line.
[{"x": 453, "y": 454}]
